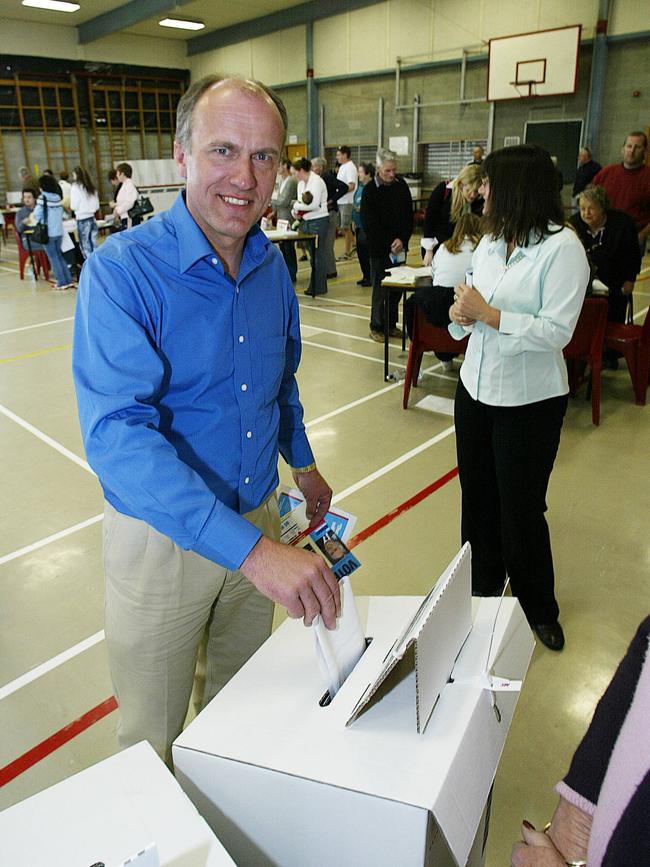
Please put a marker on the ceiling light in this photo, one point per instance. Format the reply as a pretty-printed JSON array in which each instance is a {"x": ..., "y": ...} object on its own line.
[
  {"x": 182, "y": 23},
  {"x": 56, "y": 5}
]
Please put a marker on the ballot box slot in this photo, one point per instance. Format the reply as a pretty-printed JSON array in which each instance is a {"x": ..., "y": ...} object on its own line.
[{"x": 326, "y": 699}]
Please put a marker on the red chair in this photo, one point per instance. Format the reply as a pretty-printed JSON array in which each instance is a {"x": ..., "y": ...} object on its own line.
[
  {"x": 41, "y": 262},
  {"x": 633, "y": 342},
  {"x": 586, "y": 349},
  {"x": 427, "y": 338}
]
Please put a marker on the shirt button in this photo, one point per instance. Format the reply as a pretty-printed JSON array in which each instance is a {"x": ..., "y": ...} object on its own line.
[
  {"x": 244, "y": 387},
  {"x": 241, "y": 338},
  {"x": 247, "y": 480},
  {"x": 249, "y": 434},
  {"x": 214, "y": 261}
]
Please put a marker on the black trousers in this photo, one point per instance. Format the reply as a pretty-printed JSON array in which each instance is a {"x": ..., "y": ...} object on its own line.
[
  {"x": 505, "y": 458},
  {"x": 435, "y": 302},
  {"x": 378, "y": 268},
  {"x": 363, "y": 254},
  {"x": 288, "y": 250}
]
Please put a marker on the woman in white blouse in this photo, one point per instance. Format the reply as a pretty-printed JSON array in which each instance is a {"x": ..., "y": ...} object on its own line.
[
  {"x": 529, "y": 282},
  {"x": 84, "y": 201},
  {"x": 315, "y": 221}
]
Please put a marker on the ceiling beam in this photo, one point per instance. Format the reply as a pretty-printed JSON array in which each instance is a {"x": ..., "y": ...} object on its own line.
[
  {"x": 291, "y": 17},
  {"x": 124, "y": 16}
]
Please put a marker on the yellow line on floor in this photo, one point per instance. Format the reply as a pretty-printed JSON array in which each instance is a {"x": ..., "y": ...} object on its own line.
[{"x": 34, "y": 354}]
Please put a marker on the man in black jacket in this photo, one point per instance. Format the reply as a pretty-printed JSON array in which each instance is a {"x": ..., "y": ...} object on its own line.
[
  {"x": 587, "y": 170},
  {"x": 387, "y": 220}
]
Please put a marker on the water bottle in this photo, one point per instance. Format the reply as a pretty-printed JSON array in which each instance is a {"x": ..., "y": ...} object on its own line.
[{"x": 29, "y": 272}]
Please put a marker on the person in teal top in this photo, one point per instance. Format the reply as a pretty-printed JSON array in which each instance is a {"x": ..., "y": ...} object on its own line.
[{"x": 366, "y": 173}]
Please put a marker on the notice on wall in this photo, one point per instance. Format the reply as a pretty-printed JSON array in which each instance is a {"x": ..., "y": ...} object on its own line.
[{"x": 399, "y": 144}]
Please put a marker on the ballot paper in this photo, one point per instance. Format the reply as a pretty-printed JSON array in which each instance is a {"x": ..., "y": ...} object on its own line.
[
  {"x": 407, "y": 275},
  {"x": 338, "y": 650}
]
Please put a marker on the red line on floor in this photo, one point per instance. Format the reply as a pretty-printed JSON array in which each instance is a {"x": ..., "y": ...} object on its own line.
[
  {"x": 58, "y": 739},
  {"x": 382, "y": 522}
]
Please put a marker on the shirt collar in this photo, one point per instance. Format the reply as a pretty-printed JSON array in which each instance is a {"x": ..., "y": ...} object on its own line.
[
  {"x": 500, "y": 248},
  {"x": 194, "y": 246}
]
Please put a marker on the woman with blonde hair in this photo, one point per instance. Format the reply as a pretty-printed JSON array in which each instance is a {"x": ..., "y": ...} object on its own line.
[
  {"x": 448, "y": 202},
  {"x": 451, "y": 261}
]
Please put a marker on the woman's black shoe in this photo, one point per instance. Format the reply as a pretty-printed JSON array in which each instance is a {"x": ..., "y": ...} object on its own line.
[{"x": 550, "y": 634}]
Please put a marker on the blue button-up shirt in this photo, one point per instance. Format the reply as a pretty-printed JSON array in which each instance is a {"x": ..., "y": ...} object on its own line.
[{"x": 185, "y": 381}]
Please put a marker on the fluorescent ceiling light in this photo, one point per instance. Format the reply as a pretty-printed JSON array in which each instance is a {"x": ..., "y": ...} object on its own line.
[
  {"x": 182, "y": 23},
  {"x": 56, "y": 5}
]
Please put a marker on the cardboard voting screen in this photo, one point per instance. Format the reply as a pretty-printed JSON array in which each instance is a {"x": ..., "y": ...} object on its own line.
[{"x": 436, "y": 634}]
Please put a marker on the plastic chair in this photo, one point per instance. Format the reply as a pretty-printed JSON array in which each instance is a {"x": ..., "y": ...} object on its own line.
[
  {"x": 427, "y": 338},
  {"x": 586, "y": 349},
  {"x": 41, "y": 262},
  {"x": 633, "y": 342}
]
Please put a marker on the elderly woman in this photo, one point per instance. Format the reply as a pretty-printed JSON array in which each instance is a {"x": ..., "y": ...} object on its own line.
[
  {"x": 529, "y": 282},
  {"x": 611, "y": 243},
  {"x": 446, "y": 204}
]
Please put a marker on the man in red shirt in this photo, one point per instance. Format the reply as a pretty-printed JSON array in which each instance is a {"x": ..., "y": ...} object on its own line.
[{"x": 628, "y": 183}]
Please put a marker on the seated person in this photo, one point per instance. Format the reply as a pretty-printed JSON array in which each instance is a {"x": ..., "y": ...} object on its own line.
[
  {"x": 24, "y": 218},
  {"x": 307, "y": 199},
  {"x": 611, "y": 242},
  {"x": 450, "y": 263}
]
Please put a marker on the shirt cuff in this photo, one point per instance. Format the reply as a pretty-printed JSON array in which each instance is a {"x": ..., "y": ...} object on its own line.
[
  {"x": 427, "y": 243},
  {"x": 456, "y": 331},
  {"x": 575, "y": 798},
  {"x": 298, "y": 453},
  {"x": 227, "y": 538},
  {"x": 509, "y": 322}
]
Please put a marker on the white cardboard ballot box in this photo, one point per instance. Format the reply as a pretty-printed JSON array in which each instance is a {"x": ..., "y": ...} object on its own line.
[
  {"x": 107, "y": 814},
  {"x": 285, "y": 781}
]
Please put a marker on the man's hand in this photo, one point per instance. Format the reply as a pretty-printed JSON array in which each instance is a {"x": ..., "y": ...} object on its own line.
[
  {"x": 297, "y": 579},
  {"x": 428, "y": 258},
  {"x": 317, "y": 493},
  {"x": 537, "y": 850},
  {"x": 628, "y": 287},
  {"x": 396, "y": 246}
]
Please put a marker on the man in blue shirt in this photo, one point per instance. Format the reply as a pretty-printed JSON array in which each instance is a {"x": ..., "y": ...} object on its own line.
[{"x": 187, "y": 342}]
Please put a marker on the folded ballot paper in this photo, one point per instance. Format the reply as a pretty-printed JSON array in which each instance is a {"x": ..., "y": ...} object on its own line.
[{"x": 338, "y": 650}]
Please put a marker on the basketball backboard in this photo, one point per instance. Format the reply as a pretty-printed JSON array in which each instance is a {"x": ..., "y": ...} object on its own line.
[{"x": 543, "y": 63}]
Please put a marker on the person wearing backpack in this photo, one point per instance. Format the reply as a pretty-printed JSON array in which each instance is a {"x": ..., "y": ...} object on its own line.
[{"x": 49, "y": 211}]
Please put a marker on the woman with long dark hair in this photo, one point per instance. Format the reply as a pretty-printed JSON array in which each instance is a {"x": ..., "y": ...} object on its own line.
[
  {"x": 84, "y": 201},
  {"x": 530, "y": 274},
  {"x": 49, "y": 209}
]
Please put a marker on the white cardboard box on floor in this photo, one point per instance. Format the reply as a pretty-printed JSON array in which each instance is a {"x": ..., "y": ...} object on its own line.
[
  {"x": 108, "y": 813},
  {"x": 284, "y": 781}
]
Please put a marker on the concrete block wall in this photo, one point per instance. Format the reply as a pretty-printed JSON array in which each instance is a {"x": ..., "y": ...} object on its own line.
[{"x": 628, "y": 70}]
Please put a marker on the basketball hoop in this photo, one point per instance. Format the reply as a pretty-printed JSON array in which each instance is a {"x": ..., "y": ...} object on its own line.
[
  {"x": 531, "y": 84},
  {"x": 533, "y": 65}
]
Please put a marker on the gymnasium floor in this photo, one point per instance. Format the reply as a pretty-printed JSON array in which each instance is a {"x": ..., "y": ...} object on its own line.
[{"x": 56, "y": 709}]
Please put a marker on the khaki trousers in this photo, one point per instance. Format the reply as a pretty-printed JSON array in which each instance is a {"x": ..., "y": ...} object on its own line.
[{"x": 162, "y": 605}]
